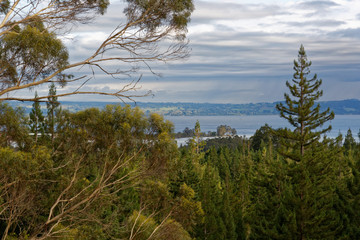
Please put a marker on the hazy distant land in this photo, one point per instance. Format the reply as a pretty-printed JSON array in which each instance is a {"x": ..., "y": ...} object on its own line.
[{"x": 343, "y": 107}]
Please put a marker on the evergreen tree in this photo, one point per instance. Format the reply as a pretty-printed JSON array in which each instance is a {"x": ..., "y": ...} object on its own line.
[
  {"x": 311, "y": 162},
  {"x": 52, "y": 110},
  {"x": 349, "y": 142},
  {"x": 37, "y": 120},
  {"x": 301, "y": 111},
  {"x": 228, "y": 217},
  {"x": 195, "y": 143},
  {"x": 213, "y": 226}
]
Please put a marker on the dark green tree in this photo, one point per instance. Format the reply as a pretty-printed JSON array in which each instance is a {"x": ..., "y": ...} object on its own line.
[
  {"x": 213, "y": 226},
  {"x": 349, "y": 142},
  {"x": 311, "y": 158},
  {"x": 37, "y": 126},
  {"x": 263, "y": 135},
  {"x": 52, "y": 110},
  {"x": 301, "y": 111},
  {"x": 228, "y": 217}
]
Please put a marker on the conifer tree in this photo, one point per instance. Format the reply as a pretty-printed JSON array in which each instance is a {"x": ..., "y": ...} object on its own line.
[
  {"x": 52, "y": 108},
  {"x": 301, "y": 111},
  {"x": 311, "y": 158},
  {"x": 195, "y": 143},
  {"x": 349, "y": 142},
  {"x": 36, "y": 120},
  {"x": 213, "y": 226}
]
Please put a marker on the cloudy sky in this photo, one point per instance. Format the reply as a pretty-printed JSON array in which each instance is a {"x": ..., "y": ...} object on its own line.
[{"x": 243, "y": 50}]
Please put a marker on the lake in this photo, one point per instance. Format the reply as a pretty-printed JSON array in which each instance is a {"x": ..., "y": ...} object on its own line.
[{"x": 247, "y": 125}]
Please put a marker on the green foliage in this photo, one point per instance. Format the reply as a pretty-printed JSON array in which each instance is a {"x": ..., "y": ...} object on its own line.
[
  {"x": 188, "y": 212},
  {"x": 31, "y": 53},
  {"x": 349, "y": 142},
  {"x": 53, "y": 111},
  {"x": 37, "y": 121},
  {"x": 4, "y": 6},
  {"x": 263, "y": 135},
  {"x": 312, "y": 164},
  {"x": 301, "y": 111},
  {"x": 231, "y": 142},
  {"x": 115, "y": 173},
  {"x": 223, "y": 130},
  {"x": 160, "y": 13},
  {"x": 98, "y": 162},
  {"x": 140, "y": 227},
  {"x": 14, "y": 130}
]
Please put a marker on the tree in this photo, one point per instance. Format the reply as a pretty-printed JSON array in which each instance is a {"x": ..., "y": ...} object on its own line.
[
  {"x": 225, "y": 130},
  {"x": 32, "y": 54},
  {"x": 37, "y": 120},
  {"x": 301, "y": 111},
  {"x": 14, "y": 130},
  {"x": 52, "y": 110},
  {"x": 196, "y": 144},
  {"x": 213, "y": 226},
  {"x": 311, "y": 159},
  {"x": 262, "y": 135},
  {"x": 349, "y": 142},
  {"x": 88, "y": 184}
]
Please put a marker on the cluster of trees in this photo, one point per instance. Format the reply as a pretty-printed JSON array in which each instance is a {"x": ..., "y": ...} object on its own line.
[
  {"x": 115, "y": 173},
  {"x": 99, "y": 175},
  {"x": 221, "y": 131}
]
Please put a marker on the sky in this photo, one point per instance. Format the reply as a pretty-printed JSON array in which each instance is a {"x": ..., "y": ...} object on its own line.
[{"x": 242, "y": 51}]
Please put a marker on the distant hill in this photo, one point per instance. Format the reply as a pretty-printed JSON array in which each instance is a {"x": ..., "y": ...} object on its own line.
[{"x": 344, "y": 107}]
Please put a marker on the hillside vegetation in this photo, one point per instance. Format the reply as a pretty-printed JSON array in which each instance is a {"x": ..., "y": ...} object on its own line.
[{"x": 344, "y": 107}]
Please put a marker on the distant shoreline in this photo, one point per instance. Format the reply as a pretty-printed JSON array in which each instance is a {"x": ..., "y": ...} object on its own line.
[{"x": 342, "y": 107}]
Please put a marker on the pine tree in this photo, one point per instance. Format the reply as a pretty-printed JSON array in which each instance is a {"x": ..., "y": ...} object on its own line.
[
  {"x": 349, "y": 142},
  {"x": 301, "y": 111},
  {"x": 311, "y": 158},
  {"x": 36, "y": 120},
  {"x": 52, "y": 110},
  {"x": 195, "y": 143},
  {"x": 213, "y": 227}
]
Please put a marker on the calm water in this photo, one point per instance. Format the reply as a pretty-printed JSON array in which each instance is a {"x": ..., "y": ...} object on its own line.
[{"x": 247, "y": 125}]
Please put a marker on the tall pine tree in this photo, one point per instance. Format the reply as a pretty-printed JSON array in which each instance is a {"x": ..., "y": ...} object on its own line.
[
  {"x": 52, "y": 110},
  {"x": 311, "y": 156},
  {"x": 301, "y": 112},
  {"x": 37, "y": 120}
]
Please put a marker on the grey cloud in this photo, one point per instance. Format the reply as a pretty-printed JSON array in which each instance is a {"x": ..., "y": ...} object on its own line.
[
  {"x": 350, "y": 32},
  {"x": 316, "y": 23},
  {"x": 107, "y": 22},
  {"x": 317, "y": 5},
  {"x": 211, "y": 11},
  {"x": 234, "y": 90},
  {"x": 239, "y": 66}
]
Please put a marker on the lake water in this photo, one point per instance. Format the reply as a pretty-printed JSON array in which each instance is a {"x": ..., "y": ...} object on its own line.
[{"x": 247, "y": 125}]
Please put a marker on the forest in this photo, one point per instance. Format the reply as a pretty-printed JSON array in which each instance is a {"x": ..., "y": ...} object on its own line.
[{"x": 115, "y": 173}]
